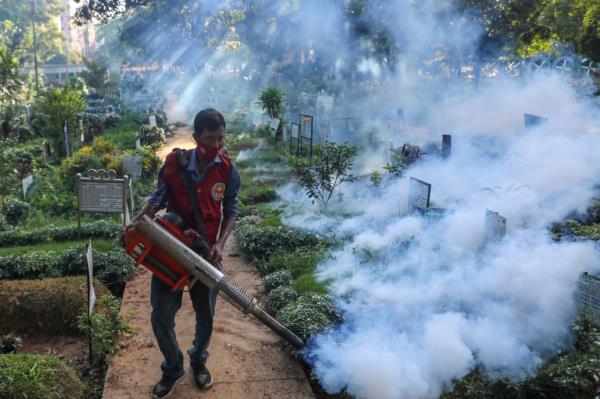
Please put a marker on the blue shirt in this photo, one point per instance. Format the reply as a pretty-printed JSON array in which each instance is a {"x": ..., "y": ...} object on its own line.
[{"x": 158, "y": 199}]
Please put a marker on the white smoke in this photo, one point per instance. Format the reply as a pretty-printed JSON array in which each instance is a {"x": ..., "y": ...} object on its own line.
[{"x": 426, "y": 300}]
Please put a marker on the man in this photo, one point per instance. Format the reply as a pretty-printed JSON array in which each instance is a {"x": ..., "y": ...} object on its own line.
[{"x": 215, "y": 182}]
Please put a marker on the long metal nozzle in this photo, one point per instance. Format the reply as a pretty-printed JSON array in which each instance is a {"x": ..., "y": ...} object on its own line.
[{"x": 212, "y": 277}]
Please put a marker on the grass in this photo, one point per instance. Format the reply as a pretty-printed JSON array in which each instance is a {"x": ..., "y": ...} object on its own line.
[
  {"x": 37, "y": 377},
  {"x": 99, "y": 245},
  {"x": 124, "y": 135}
]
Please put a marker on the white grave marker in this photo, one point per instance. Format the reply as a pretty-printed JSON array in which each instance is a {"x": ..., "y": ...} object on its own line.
[
  {"x": 26, "y": 182},
  {"x": 325, "y": 102},
  {"x": 418, "y": 195},
  {"x": 533, "y": 120},
  {"x": 273, "y": 126},
  {"x": 90, "y": 264},
  {"x": 138, "y": 145},
  {"x": 152, "y": 120},
  {"x": 133, "y": 166},
  {"x": 588, "y": 298},
  {"x": 495, "y": 226}
]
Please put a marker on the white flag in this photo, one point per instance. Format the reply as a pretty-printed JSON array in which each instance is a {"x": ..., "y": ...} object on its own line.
[{"x": 90, "y": 264}]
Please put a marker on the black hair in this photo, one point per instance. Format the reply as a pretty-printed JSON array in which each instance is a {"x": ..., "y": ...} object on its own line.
[{"x": 209, "y": 119}]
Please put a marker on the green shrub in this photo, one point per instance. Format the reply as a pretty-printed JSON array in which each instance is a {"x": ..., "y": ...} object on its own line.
[
  {"x": 254, "y": 194},
  {"x": 322, "y": 302},
  {"x": 298, "y": 262},
  {"x": 44, "y": 307},
  {"x": 92, "y": 125},
  {"x": 4, "y": 226},
  {"x": 112, "y": 120},
  {"x": 23, "y": 133},
  {"x": 47, "y": 195},
  {"x": 331, "y": 166},
  {"x": 569, "y": 375},
  {"x": 152, "y": 136},
  {"x": 9, "y": 343},
  {"x": 98, "y": 229},
  {"x": 279, "y": 297},
  {"x": 15, "y": 211},
  {"x": 260, "y": 241},
  {"x": 277, "y": 279},
  {"x": 105, "y": 327},
  {"x": 109, "y": 266},
  {"x": 39, "y": 122},
  {"x": 302, "y": 319},
  {"x": 308, "y": 283},
  {"x": 26, "y": 376}
]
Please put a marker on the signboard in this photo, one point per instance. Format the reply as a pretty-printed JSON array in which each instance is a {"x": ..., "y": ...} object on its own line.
[
  {"x": 533, "y": 120},
  {"x": 350, "y": 125},
  {"x": 306, "y": 126},
  {"x": 588, "y": 298},
  {"x": 446, "y": 145},
  {"x": 101, "y": 196},
  {"x": 306, "y": 132},
  {"x": 132, "y": 165},
  {"x": 325, "y": 102},
  {"x": 102, "y": 192},
  {"x": 495, "y": 226},
  {"x": 295, "y": 131},
  {"x": 26, "y": 182},
  {"x": 273, "y": 126},
  {"x": 152, "y": 120},
  {"x": 418, "y": 195}
]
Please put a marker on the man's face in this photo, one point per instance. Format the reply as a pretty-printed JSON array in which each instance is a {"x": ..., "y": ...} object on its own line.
[{"x": 211, "y": 138}]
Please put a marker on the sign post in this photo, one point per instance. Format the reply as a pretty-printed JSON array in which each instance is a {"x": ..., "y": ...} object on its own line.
[
  {"x": 295, "y": 137},
  {"x": 419, "y": 194},
  {"x": 495, "y": 226},
  {"x": 91, "y": 295},
  {"x": 101, "y": 191},
  {"x": 306, "y": 131}
]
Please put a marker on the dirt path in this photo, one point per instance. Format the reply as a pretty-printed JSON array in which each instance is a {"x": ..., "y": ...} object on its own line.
[{"x": 247, "y": 359}]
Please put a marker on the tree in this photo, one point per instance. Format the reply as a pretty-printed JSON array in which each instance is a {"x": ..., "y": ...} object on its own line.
[
  {"x": 10, "y": 81},
  {"x": 271, "y": 100},
  {"x": 62, "y": 106},
  {"x": 16, "y": 33},
  {"x": 330, "y": 167}
]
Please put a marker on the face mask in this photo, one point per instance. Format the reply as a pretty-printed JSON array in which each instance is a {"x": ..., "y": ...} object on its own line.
[{"x": 208, "y": 152}]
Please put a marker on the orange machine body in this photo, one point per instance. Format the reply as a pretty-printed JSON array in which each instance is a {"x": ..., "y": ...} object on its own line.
[{"x": 154, "y": 259}]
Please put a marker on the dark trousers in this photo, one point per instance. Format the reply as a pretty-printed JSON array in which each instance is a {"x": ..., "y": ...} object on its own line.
[{"x": 165, "y": 305}]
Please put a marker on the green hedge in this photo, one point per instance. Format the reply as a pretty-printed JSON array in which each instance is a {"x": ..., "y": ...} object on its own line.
[
  {"x": 25, "y": 376},
  {"x": 98, "y": 229},
  {"x": 309, "y": 314},
  {"x": 44, "y": 307},
  {"x": 110, "y": 266},
  {"x": 258, "y": 241}
]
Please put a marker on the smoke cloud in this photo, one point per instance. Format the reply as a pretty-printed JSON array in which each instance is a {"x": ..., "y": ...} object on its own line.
[{"x": 425, "y": 300}]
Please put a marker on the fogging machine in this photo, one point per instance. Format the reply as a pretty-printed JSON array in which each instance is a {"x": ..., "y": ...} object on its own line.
[{"x": 160, "y": 246}]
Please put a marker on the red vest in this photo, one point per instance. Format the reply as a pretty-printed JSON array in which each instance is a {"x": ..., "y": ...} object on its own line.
[{"x": 209, "y": 191}]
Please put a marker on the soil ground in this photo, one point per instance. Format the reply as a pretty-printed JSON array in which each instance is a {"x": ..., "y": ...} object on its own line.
[{"x": 247, "y": 359}]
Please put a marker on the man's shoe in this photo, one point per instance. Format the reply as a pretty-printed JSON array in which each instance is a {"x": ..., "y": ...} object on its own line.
[
  {"x": 165, "y": 386},
  {"x": 202, "y": 375}
]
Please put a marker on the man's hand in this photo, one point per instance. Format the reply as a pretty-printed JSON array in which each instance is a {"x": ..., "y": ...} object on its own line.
[{"x": 216, "y": 252}]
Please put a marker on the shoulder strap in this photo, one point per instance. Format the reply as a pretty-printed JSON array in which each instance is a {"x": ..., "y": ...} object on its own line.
[{"x": 183, "y": 161}]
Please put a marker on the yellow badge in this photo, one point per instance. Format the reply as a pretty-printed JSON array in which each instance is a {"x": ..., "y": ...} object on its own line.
[{"x": 218, "y": 191}]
